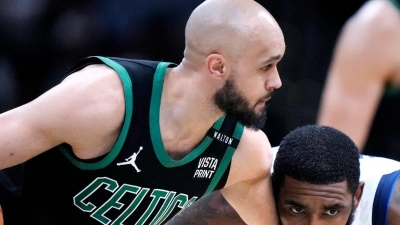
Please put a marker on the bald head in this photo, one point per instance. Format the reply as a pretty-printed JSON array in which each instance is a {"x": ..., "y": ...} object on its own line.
[{"x": 226, "y": 27}]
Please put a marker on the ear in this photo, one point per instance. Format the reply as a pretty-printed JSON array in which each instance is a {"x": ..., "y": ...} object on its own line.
[
  {"x": 358, "y": 194},
  {"x": 217, "y": 66}
]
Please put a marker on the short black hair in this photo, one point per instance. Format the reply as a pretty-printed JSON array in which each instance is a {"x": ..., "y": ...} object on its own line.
[{"x": 317, "y": 154}]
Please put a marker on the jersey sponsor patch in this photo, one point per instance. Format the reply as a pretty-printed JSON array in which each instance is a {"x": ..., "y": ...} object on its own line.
[
  {"x": 206, "y": 167},
  {"x": 216, "y": 135}
]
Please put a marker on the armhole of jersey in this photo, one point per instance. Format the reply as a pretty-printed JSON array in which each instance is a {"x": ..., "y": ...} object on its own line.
[
  {"x": 127, "y": 84},
  {"x": 392, "y": 90},
  {"x": 382, "y": 198},
  {"x": 396, "y": 3},
  {"x": 225, "y": 160},
  {"x": 154, "y": 121}
]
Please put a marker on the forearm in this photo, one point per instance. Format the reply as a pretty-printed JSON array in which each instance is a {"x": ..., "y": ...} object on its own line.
[
  {"x": 212, "y": 209},
  {"x": 1, "y": 216},
  {"x": 353, "y": 116},
  {"x": 253, "y": 200}
]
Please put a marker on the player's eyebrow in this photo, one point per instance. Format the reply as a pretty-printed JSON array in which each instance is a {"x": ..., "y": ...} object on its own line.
[
  {"x": 294, "y": 203},
  {"x": 272, "y": 58},
  {"x": 333, "y": 206}
]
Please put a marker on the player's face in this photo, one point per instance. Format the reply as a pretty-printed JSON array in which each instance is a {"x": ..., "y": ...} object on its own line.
[
  {"x": 230, "y": 100},
  {"x": 253, "y": 78},
  {"x": 301, "y": 203}
]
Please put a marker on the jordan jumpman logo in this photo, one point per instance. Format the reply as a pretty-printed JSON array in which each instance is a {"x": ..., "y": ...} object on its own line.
[{"x": 131, "y": 160}]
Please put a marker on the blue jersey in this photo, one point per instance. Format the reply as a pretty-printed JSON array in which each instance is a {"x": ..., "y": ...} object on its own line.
[{"x": 380, "y": 175}]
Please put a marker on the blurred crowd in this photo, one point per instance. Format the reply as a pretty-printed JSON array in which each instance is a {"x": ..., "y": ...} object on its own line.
[{"x": 41, "y": 39}]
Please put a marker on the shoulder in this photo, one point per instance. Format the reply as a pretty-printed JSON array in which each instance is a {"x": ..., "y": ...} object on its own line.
[
  {"x": 377, "y": 187},
  {"x": 393, "y": 212},
  {"x": 92, "y": 75},
  {"x": 367, "y": 40},
  {"x": 371, "y": 166},
  {"x": 253, "y": 156},
  {"x": 381, "y": 198},
  {"x": 81, "y": 94},
  {"x": 249, "y": 176},
  {"x": 255, "y": 144},
  {"x": 91, "y": 105},
  {"x": 95, "y": 86},
  {"x": 375, "y": 19},
  {"x": 85, "y": 110}
]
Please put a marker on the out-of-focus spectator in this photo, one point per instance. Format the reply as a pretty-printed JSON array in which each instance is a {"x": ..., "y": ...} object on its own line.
[{"x": 362, "y": 91}]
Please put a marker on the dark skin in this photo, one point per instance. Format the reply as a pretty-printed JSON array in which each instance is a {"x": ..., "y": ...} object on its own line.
[
  {"x": 212, "y": 209},
  {"x": 303, "y": 203},
  {"x": 394, "y": 206}
]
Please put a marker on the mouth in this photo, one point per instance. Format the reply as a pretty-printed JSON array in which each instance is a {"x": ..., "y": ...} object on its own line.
[
  {"x": 262, "y": 102},
  {"x": 266, "y": 99},
  {"x": 268, "y": 96}
]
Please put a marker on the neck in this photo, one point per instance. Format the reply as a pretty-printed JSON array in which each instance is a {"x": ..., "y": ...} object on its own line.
[{"x": 187, "y": 110}]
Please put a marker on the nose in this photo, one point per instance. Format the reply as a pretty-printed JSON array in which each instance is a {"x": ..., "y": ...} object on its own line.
[
  {"x": 314, "y": 220},
  {"x": 275, "y": 81}
]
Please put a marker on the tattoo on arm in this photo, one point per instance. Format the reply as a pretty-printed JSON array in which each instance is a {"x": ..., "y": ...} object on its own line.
[{"x": 212, "y": 209}]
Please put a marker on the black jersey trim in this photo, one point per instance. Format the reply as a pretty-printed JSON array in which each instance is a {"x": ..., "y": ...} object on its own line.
[
  {"x": 155, "y": 130},
  {"x": 215, "y": 134},
  {"x": 230, "y": 150},
  {"x": 127, "y": 84}
]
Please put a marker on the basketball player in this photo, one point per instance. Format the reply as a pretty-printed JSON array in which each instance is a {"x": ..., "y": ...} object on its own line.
[
  {"x": 196, "y": 125},
  {"x": 316, "y": 180},
  {"x": 361, "y": 96}
]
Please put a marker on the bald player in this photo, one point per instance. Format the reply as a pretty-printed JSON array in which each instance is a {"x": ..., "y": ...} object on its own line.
[{"x": 126, "y": 141}]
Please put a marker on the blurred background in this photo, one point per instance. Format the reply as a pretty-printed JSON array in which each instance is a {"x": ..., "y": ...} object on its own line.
[{"x": 41, "y": 39}]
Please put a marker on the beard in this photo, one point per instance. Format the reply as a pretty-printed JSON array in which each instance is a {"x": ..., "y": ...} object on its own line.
[
  {"x": 351, "y": 217},
  {"x": 233, "y": 103}
]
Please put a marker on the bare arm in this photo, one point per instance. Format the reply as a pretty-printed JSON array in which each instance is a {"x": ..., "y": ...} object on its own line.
[
  {"x": 1, "y": 216},
  {"x": 249, "y": 185},
  {"x": 363, "y": 63},
  {"x": 247, "y": 197},
  {"x": 212, "y": 209},
  {"x": 85, "y": 111}
]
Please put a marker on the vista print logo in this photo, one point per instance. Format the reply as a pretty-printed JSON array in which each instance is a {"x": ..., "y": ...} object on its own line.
[{"x": 206, "y": 167}]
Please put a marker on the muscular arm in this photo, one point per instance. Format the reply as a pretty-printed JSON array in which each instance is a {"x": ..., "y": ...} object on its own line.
[
  {"x": 363, "y": 63},
  {"x": 247, "y": 197},
  {"x": 212, "y": 209},
  {"x": 85, "y": 111},
  {"x": 249, "y": 185}
]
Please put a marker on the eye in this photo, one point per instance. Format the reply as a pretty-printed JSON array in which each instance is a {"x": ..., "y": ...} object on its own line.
[
  {"x": 266, "y": 67},
  {"x": 331, "y": 212},
  {"x": 297, "y": 210}
]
